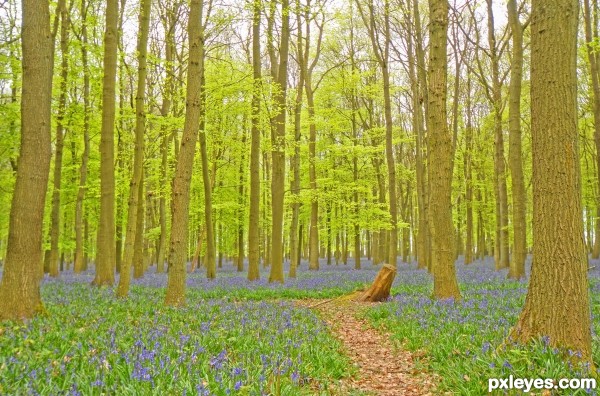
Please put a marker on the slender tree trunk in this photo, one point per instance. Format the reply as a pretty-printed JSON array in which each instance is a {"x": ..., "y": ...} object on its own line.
[
  {"x": 19, "y": 288},
  {"x": 175, "y": 295},
  {"x": 502, "y": 239},
  {"x": 165, "y": 110},
  {"x": 557, "y": 302},
  {"x": 79, "y": 240},
  {"x": 254, "y": 216},
  {"x": 517, "y": 262},
  {"x": 440, "y": 172},
  {"x": 138, "y": 242},
  {"x": 467, "y": 157},
  {"x": 313, "y": 238},
  {"x": 59, "y": 143},
  {"x": 210, "y": 259},
  {"x": 105, "y": 251},
  {"x": 242, "y": 202},
  {"x": 278, "y": 153},
  {"x": 134, "y": 231}
]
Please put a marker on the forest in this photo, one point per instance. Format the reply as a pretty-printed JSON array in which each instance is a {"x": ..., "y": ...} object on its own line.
[{"x": 299, "y": 197}]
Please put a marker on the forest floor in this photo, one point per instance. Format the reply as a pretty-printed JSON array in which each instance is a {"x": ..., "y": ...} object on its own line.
[{"x": 384, "y": 369}]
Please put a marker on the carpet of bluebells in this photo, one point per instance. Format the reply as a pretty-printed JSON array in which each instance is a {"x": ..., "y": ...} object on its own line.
[
  {"x": 244, "y": 338},
  {"x": 464, "y": 342},
  {"x": 222, "y": 343}
]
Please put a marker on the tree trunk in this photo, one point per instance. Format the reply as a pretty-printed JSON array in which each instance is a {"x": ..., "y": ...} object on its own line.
[
  {"x": 278, "y": 153},
  {"x": 210, "y": 256},
  {"x": 59, "y": 143},
  {"x": 440, "y": 172},
  {"x": 517, "y": 262},
  {"x": 313, "y": 238},
  {"x": 254, "y": 210},
  {"x": 557, "y": 302},
  {"x": 19, "y": 288},
  {"x": 468, "y": 170},
  {"x": 79, "y": 240},
  {"x": 175, "y": 295},
  {"x": 502, "y": 240},
  {"x": 135, "y": 186},
  {"x": 105, "y": 250}
]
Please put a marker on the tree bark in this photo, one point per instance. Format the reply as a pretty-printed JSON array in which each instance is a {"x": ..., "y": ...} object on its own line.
[
  {"x": 517, "y": 262},
  {"x": 557, "y": 302},
  {"x": 278, "y": 152},
  {"x": 380, "y": 289},
  {"x": 19, "y": 289},
  {"x": 135, "y": 185},
  {"x": 254, "y": 210},
  {"x": 175, "y": 295},
  {"x": 105, "y": 250},
  {"x": 79, "y": 240},
  {"x": 440, "y": 161},
  {"x": 59, "y": 143}
]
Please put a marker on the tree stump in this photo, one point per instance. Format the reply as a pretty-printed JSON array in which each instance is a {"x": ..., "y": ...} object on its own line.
[{"x": 380, "y": 289}]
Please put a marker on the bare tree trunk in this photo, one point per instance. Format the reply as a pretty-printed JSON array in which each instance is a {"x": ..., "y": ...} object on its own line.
[
  {"x": 440, "y": 161},
  {"x": 278, "y": 153},
  {"x": 254, "y": 216},
  {"x": 502, "y": 239},
  {"x": 59, "y": 143},
  {"x": 136, "y": 185},
  {"x": 105, "y": 251},
  {"x": 175, "y": 295},
  {"x": 557, "y": 303},
  {"x": 517, "y": 262},
  {"x": 79, "y": 240},
  {"x": 19, "y": 288}
]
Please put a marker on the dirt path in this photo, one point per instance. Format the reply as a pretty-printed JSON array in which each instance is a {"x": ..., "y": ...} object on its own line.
[{"x": 383, "y": 369}]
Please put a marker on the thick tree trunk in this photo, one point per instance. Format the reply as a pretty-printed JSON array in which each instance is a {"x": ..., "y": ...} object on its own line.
[
  {"x": 557, "y": 303},
  {"x": 175, "y": 295},
  {"x": 105, "y": 244},
  {"x": 19, "y": 289},
  {"x": 440, "y": 172}
]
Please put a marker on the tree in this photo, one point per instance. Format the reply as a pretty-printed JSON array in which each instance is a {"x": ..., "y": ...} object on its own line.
[
  {"x": 557, "y": 302},
  {"x": 52, "y": 257},
  {"x": 254, "y": 210},
  {"x": 135, "y": 186},
  {"x": 183, "y": 171},
  {"x": 278, "y": 151},
  {"x": 19, "y": 290},
  {"x": 105, "y": 244},
  {"x": 440, "y": 160},
  {"x": 83, "y": 169},
  {"x": 517, "y": 262},
  {"x": 382, "y": 56}
]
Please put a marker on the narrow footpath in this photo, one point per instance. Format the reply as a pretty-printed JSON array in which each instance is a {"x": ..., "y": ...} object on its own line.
[{"x": 382, "y": 369}]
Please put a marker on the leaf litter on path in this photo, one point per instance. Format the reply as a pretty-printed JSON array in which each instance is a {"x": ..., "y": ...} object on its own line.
[{"x": 383, "y": 369}]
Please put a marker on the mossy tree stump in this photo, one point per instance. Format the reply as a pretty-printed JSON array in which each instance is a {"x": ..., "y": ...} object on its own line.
[{"x": 380, "y": 289}]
